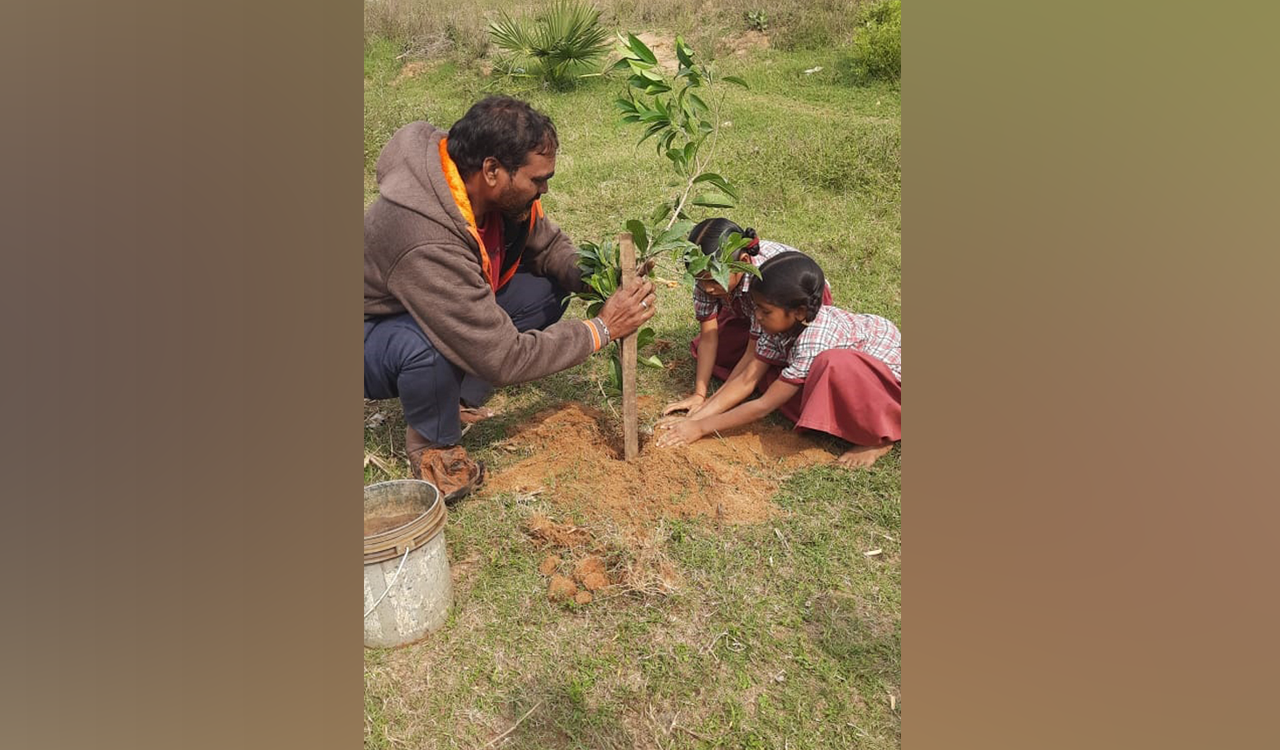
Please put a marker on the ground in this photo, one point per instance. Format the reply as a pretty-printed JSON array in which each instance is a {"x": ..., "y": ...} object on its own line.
[{"x": 742, "y": 592}]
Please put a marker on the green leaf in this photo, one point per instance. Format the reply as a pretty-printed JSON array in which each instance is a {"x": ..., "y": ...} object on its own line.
[
  {"x": 660, "y": 214},
  {"x": 736, "y": 80},
  {"x": 684, "y": 54},
  {"x": 645, "y": 336},
  {"x": 642, "y": 70},
  {"x": 677, "y": 159},
  {"x": 699, "y": 264},
  {"x": 740, "y": 267},
  {"x": 700, "y": 107},
  {"x": 712, "y": 200},
  {"x": 676, "y": 233},
  {"x": 650, "y": 361},
  {"x": 653, "y": 130},
  {"x": 719, "y": 182},
  {"x": 639, "y": 49},
  {"x": 593, "y": 309},
  {"x": 638, "y": 235},
  {"x": 615, "y": 373}
]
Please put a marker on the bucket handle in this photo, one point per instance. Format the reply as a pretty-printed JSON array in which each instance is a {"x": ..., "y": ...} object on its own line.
[{"x": 390, "y": 583}]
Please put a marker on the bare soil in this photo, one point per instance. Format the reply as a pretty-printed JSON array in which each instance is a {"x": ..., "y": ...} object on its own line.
[
  {"x": 573, "y": 462},
  {"x": 574, "y": 457}
]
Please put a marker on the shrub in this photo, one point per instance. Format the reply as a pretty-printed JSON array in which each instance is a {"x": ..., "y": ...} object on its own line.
[
  {"x": 559, "y": 46},
  {"x": 877, "y": 43}
]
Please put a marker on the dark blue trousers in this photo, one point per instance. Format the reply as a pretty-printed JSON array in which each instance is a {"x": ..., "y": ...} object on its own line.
[{"x": 399, "y": 360}]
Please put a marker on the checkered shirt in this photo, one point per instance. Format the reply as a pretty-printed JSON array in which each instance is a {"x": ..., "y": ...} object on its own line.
[
  {"x": 706, "y": 307},
  {"x": 832, "y": 328}
]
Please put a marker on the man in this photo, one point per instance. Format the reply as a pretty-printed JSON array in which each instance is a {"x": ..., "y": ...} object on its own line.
[{"x": 464, "y": 278}]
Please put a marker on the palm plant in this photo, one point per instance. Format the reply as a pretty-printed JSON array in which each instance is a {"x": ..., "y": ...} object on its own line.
[{"x": 561, "y": 45}]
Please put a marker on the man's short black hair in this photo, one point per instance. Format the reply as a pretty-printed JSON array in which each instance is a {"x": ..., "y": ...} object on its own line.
[{"x": 502, "y": 127}]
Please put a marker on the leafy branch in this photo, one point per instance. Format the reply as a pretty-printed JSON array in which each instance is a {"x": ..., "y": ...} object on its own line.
[{"x": 686, "y": 129}]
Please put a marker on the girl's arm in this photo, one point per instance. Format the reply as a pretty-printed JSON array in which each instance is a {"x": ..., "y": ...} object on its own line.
[
  {"x": 739, "y": 369},
  {"x": 707, "y": 347},
  {"x": 690, "y": 430},
  {"x": 741, "y": 383}
]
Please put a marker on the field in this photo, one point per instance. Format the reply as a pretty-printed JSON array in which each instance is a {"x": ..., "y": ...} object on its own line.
[{"x": 754, "y": 590}]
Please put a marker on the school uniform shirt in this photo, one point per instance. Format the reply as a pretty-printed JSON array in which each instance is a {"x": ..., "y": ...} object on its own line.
[{"x": 831, "y": 328}]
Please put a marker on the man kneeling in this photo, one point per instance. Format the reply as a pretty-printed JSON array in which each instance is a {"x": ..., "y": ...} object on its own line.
[{"x": 464, "y": 277}]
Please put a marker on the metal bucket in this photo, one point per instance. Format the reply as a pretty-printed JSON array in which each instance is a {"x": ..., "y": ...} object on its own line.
[{"x": 407, "y": 589}]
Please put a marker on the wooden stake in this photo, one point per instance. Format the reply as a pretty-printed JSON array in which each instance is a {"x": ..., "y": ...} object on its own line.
[{"x": 630, "y": 433}]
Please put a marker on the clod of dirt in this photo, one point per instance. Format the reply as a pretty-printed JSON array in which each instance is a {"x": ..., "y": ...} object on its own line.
[
  {"x": 583, "y": 597},
  {"x": 561, "y": 589},
  {"x": 588, "y": 565},
  {"x": 549, "y": 565},
  {"x": 550, "y": 533},
  {"x": 595, "y": 581}
]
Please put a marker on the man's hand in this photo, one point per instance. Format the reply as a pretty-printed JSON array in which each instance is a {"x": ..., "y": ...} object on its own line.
[
  {"x": 683, "y": 432},
  {"x": 628, "y": 309},
  {"x": 689, "y": 403}
]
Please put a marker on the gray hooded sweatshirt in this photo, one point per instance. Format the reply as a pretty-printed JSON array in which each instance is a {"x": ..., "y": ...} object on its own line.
[{"x": 421, "y": 256}]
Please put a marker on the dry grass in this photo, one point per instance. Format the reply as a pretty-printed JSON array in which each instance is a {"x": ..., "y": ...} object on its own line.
[{"x": 433, "y": 28}]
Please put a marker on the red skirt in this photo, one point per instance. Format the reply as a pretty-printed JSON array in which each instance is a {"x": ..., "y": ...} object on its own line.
[
  {"x": 853, "y": 396},
  {"x": 848, "y": 394}
]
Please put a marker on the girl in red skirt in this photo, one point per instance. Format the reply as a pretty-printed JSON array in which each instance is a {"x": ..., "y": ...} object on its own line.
[
  {"x": 724, "y": 345},
  {"x": 840, "y": 372}
]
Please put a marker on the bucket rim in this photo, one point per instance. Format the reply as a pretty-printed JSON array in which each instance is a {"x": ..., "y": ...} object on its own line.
[{"x": 386, "y": 545}]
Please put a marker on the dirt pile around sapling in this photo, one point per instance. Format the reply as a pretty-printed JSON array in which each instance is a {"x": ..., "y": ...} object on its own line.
[{"x": 572, "y": 459}]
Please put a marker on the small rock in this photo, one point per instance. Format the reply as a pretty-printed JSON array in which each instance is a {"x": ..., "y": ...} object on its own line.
[
  {"x": 561, "y": 589},
  {"x": 549, "y": 565}
]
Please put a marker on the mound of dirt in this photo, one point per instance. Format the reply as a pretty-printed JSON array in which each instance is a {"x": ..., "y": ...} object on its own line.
[{"x": 577, "y": 464}]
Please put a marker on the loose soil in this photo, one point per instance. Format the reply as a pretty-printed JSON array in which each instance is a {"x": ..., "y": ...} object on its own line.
[{"x": 575, "y": 460}]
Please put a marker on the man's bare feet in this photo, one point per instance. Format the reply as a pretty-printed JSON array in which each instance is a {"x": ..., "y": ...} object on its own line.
[{"x": 862, "y": 456}]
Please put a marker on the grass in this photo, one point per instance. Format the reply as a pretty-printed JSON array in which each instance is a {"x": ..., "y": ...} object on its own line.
[
  {"x": 434, "y": 28},
  {"x": 782, "y": 634}
]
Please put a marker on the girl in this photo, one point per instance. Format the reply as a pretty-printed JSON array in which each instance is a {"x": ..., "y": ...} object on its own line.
[
  {"x": 840, "y": 371},
  {"x": 723, "y": 345}
]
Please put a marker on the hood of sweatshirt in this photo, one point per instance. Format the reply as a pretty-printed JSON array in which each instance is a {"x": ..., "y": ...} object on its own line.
[{"x": 409, "y": 174}]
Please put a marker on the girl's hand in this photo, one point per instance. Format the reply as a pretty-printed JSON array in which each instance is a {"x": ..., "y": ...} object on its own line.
[
  {"x": 689, "y": 403},
  {"x": 666, "y": 422},
  {"x": 683, "y": 432}
]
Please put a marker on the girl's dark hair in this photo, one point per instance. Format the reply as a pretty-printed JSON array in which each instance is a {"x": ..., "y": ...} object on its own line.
[
  {"x": 790, "y": 280},
  {"x": 502, "y": 127},
  {"x": 709, "y": 234}
]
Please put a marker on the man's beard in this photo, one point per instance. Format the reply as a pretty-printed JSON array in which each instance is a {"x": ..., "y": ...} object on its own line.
[{"x": 513, "y": 211}]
